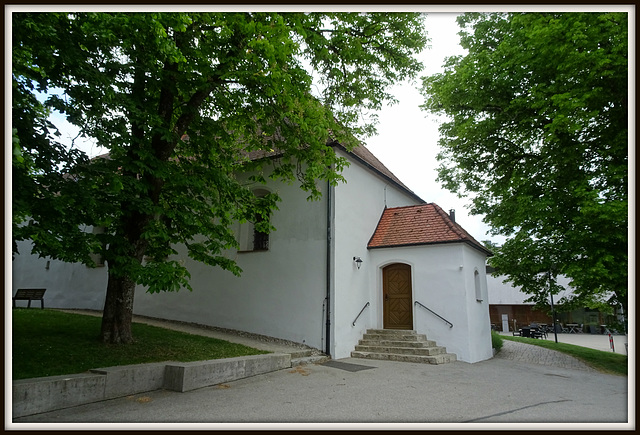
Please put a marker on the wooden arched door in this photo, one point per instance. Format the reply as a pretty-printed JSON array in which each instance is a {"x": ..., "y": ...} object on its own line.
[{"x": 397, "y": 299}]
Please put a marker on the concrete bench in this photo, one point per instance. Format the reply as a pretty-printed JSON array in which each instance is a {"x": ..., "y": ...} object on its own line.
[{"x": 30, "y": 294}]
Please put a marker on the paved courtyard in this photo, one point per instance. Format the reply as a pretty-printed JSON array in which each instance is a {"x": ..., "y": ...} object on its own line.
[
  {"x": 522, "y": 387},
  {"x": 371, "y": 393}
]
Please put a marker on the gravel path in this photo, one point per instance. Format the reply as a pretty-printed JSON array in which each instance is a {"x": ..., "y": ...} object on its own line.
[{"x": 539, "y": 355}]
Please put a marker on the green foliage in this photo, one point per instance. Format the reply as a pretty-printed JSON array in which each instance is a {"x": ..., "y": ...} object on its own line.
[
  {"x": 179, "y": 100},
  {"x": 496, "y": 341},
  {"x": 48, "y": 343},
  {"x": 538, "y": 138}
]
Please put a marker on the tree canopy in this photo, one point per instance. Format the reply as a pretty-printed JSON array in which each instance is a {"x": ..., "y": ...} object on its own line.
[
  {"x": 179, "y": 100},
  {"x": 537, "y": 137}
]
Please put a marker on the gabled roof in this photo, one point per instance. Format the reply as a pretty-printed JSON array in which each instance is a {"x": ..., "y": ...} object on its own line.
[
  {"x": 367, "y": 158},
  {"x": 424, "y": 224},
  {"x": 361, "y": 155}
]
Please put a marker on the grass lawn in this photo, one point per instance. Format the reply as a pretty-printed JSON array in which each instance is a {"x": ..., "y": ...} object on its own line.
[
  {"x": 49, "y": 342},
  {"x": 606, "y": 362}
]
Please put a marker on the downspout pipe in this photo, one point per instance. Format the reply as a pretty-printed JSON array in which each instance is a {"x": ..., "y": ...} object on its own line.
[{"x": 328, "y": 268}]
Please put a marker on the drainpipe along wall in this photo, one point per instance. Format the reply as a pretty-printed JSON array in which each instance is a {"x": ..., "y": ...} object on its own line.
[{"x": 330, "y": 218}]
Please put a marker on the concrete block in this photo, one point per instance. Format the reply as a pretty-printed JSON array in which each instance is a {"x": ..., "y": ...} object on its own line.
[
  {"x": 192, "y": 375},
  {"x": 132, "y": 379},
  {"x": 37, "y": 395}
]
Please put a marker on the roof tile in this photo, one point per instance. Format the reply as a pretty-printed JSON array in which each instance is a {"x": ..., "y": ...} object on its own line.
[{"x": 419, "y": 225}]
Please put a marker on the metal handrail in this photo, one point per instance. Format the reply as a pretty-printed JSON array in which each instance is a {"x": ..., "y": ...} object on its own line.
[
  {"x": 433, "y": 312},
  {"x": 365, "y": 306}
]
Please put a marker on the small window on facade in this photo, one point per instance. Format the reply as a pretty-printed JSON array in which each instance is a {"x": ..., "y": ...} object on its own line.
[
  {"x": 98, "y": 259},
  {"x": 260, "y": 239},
  {"x": 476, "y": 280},
  {"x": 250, "y": 238}
]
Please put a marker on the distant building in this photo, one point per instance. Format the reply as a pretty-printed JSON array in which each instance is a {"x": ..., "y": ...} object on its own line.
[{"x": 507, "y": 304}]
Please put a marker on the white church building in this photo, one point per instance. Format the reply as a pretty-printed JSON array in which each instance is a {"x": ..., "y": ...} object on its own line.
[{"x": 370, "y": 254}]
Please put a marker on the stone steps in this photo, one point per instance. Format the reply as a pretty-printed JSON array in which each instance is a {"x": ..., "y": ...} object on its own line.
[
  {"x": 398, "y": 343},
  {"x": 395, "y": 337},
  {"x": 436, "y": 359},
  {"x": 401, "y": 345},
  {"x": 428, "y": 351}
]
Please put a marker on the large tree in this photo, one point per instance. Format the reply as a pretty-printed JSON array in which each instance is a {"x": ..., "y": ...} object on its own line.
[
  {"x": 537, "y": 136},
  {"x": 179, "y": 100}
]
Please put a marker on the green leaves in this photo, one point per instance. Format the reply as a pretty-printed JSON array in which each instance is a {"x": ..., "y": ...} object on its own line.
[
  {"x": 179, "y": 100},
  {"x": 160, "y": 276},
  {"x": 537, "y": 134}
]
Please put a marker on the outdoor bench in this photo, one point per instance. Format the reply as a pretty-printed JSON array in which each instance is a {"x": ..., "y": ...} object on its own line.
[
  {"x": 30, "y": 294},
  {"x": 529, "y": 332}
]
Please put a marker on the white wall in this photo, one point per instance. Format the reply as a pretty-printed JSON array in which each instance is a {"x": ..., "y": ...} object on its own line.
[
  {"x": 479, "y": 327},
  {"x": 68, "y": 285},
  {"x": 442, "y": 285},
  {"x": 280, "y": 292},
  {"x": 501, "y": 293},
  {"x": 358, "y": 207}
]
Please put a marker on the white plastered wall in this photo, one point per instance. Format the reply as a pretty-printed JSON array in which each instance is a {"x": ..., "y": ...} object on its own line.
[
  {"x": 281, "y": 291},
  {"x": 359, "y": 203},
  {"x": 443, "y": 280},
  {"x": 504, "y": 293},
  {"x": 68, "y": 285},
  {"x": 479, "y": 327}
]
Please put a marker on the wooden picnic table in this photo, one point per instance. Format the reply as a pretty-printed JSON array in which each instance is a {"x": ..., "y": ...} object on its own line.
[{"x": 573, "y": 328}]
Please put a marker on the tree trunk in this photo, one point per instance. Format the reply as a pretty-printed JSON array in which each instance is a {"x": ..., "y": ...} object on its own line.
[{"x": 118, "y": 311}]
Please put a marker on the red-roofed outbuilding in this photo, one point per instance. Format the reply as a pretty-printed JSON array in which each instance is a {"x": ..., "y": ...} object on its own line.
[{"x": 424, "y": 224}]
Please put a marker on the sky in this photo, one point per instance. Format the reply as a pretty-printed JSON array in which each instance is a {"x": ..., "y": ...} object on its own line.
[{"x": 407, "y": 140}]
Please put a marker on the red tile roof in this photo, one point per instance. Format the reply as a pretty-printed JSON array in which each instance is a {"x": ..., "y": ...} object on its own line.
[
  {"x": 362, "y": 155},
  {"x": 423, "y": 224},
  {"x": 365, "y": 156}
]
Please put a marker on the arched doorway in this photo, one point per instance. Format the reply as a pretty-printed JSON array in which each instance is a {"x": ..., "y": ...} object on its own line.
[{"x": 397, "y": 300}]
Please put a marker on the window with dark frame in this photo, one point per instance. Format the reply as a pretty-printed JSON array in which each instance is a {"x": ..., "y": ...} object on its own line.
[{"x": 260, "y": 238}]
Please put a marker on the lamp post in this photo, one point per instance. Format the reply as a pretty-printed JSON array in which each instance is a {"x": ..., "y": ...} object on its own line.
[{"x": 553, "y": 311}]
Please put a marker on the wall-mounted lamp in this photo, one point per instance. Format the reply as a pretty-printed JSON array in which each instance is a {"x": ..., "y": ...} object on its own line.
[{"x": 358, "y": 261}]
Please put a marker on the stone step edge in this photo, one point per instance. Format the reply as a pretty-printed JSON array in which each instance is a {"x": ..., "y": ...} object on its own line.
[
  {"x": 38, "y": 395},
  {"x": 399, "y": 343},
  {"x": 392, "y": 331},
  {"x": 435, "y": 359},
  {"x": 411, "y": 337},
  {"x": 418, "y": 351},
  {"x": 302, "y": 353}
]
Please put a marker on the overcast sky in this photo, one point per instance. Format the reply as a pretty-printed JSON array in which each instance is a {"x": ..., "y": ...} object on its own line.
[{"x": 407, "y": 140}]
